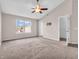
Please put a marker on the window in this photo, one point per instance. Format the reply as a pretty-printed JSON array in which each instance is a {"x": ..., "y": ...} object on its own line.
[{"x": 23, "y": 26}]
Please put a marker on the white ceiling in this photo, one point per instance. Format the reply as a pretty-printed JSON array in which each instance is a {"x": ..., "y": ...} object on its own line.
[{"x": 24, "y": 7}]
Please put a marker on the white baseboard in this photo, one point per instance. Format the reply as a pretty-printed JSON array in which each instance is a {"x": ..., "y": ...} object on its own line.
[
  {"x": 18, "y": 38},
  {"x": 50, "y": 38}
]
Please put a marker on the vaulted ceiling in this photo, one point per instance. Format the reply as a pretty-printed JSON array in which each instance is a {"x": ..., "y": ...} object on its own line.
[{"x": 24, "y": 7}]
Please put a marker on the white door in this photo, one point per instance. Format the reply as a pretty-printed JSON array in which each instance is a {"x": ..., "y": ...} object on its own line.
[
  {"x": 67, "y": 28},
  {"x": 64, "y": 27}
]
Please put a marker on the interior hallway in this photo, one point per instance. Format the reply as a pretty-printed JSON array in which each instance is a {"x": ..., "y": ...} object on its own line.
[{"x": 37, "y": 48}]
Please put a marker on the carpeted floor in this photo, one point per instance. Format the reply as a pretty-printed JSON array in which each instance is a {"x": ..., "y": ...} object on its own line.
[{"x": 36, "y": 48}]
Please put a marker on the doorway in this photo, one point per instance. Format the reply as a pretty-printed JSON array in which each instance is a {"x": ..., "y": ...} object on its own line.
[{"x": 64, "y": 28}]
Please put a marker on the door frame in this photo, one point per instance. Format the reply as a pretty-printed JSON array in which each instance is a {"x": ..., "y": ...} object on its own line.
[{"x": 59, "y": 27}]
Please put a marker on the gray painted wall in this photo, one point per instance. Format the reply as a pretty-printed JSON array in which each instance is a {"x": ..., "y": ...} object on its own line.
[
  {"x": 0, "y": 26},
  {"x": 74, "y": 23},
  {"x": 69, "y": 7},
  {"x": 9, "y": 27},
  {"x": 52, "y": 32}
]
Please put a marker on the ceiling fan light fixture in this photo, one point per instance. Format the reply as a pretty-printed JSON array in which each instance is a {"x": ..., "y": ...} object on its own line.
[{"x": 38, "y": 8}]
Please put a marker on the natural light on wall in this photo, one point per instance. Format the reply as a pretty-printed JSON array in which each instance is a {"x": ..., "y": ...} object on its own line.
[{"x": 23, "y": 26}]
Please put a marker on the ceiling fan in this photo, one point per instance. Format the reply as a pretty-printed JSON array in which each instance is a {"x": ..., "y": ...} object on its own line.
[{"x": 38, "y": 8}]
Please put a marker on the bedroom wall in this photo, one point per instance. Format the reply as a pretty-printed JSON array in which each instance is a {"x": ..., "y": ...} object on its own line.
[
  {"x": 0, "y": 26},
  {"x": 74, "y": 23},
  {"x": 52, "y": 32},
  {"x": 9, "y": 27}
]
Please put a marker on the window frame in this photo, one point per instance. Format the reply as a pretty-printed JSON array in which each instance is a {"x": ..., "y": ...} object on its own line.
[{"x": 24, "y": 26}]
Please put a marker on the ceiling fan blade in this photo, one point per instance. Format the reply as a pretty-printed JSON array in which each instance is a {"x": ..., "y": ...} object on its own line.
[
  {"x": 41, "y": 12},
  {"x": 33, "y": 8},
  {"x": 37, "y": 0},
  {"x": 44, "y": 8},
  {"x": 33, "y": 11}
]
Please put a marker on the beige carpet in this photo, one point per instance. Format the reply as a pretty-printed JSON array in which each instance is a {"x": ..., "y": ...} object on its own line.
[{"x": 36, "y": 48}]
